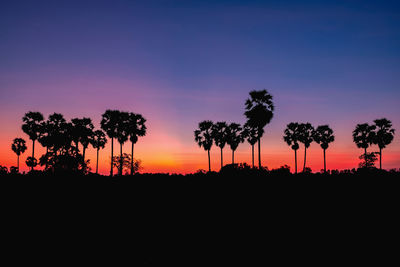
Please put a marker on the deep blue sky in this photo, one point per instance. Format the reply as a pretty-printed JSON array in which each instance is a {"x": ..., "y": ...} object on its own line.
[{"x": 334, "y": 62}]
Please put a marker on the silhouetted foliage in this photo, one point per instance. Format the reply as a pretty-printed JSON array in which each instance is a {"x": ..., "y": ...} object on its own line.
[
  {"x": 136, "y": 128},
  {"x": 323, "y": 135},
  {"x": 292, "y": 138},
  {"x": 252, "y": 134},
  {"x": 364, "y": 135},
  {"x": 82, "y": 132},
  {"x": 306, "y": 137},
  {"x": 234, "y": 137},
  {"x": 98, "y": 142},
  {"x": 31, "y": 162},
  {"x": 369, "y": 160},
  {"x": 109, "y": 123},
  {"x": 383, "y": 136},
  {"x": 259, "y": 112},
  {"x": 32, "y": 127},
  {"x": 126, "y": 161},
  {"x": 220, "y": 135},
  {"x": 204, "y": 137},
  {"x": 19, "y": 147}
]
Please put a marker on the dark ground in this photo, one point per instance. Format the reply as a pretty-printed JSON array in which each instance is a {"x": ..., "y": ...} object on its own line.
[{"x": 244, "y": 219}]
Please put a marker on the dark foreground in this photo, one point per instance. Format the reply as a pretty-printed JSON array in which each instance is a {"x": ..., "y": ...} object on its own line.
[{"x": 211, "y": 219}]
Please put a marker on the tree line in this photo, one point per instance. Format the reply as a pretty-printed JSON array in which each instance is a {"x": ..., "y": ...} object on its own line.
[
  {"x": 259, "y": 111},
  {"x": 67, "y": 142}
]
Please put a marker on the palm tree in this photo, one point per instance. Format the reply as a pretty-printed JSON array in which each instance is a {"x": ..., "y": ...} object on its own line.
[
  {"x": 19, "y": 147},
  {"x": 291, "y": 137},
  {"x": 383, "y": 136},
  {"x": 204, "y": 138},
  {"x": 259, "y": 112},
  {"x": 82, "y": 131},
  {"x": 219, "y": 133},
  {"x": 31, "y": 126},
  {"x": 109, "y": 125},
  {"x": 364, "y": 135},
  {"x": 122, "y": 133},
  {"x": 235, "y": 137},
  {"x": 98, "y": 142},
  {"x": 306, "y": 137},
  {"x": 323, "y": 135},
  {"x": 251, "y": 135},
  {"x": 136, "y": 127}
]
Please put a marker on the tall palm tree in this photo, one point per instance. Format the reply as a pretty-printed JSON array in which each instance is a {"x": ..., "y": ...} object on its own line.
[
  {"x": 383, "y": 136},
  {"x": 251, "y": 135},
  {"x": 122, "y": 134},
  {"x": 220, "y": 136},
  {"x": 363, "y": 136},
  {"x": 82, "y": 131},
  {"x": 323, "y": 135},
  {"x": 56, "y": 127},
  {"x": 136, "y": 127},
  {"x": 259, "y": 112},
  {"x": 306, "y": 137},
  {"x": 291, "y": 137},
  {"x": 19, "y": 147},
  {"x": 109, "y": 125},
  {"x": 235, "y": 137},
  {"x": 98, "y": 142},
  {"x": 204, "y": 138},
  {"x": 31, "y": 126}
]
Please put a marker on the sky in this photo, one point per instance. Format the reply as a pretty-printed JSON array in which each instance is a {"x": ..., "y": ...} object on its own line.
[{"x": 180, "y": 62}]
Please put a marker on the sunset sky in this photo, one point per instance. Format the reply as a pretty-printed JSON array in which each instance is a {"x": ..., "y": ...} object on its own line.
[{"x": 180, "y": 62}]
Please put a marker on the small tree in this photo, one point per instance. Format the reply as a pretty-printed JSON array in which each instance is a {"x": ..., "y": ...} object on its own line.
[
  {"x": 204, "y": 138},
  {"x": 19, "y": 147},
  {"x": 369, "y": 160},
  {"x": 126, "y": 161}
]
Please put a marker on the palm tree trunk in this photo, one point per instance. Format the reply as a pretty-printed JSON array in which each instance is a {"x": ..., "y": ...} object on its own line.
[
  {"x": 18, "y": 163},
  {"x": 47, "y": 152},
  {"x": 112, "y": 156},
  {"x": 295, "y": 160},
  {"x": 209, "y": 162},
  {"x": 365, "y": 152},
  {"x": 305, "y": 158},
  {"x": 259, "y": 153},
  {"x": 252, "y": 154},
  {"x": 120, "y": 159},
  {"x": 77, "y": 146},
  {"x": 83, "y": 154},
  {"x": 97, "y": 161},
  {"x": 324, "y": 161},
  {"x": 222, "y": 160},
  {"x": 132, "y": 160},
  {"x": 233, "y": 156},
  {"x": 380, "y": 158},
  {"x": 33, "y": 151}
]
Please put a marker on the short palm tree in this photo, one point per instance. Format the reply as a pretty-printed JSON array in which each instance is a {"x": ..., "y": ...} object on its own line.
[
  {"x": 32, "y": 127},
  {"x": 19, "y": 147},
  {"x": 251, "y": 135},
  {"x": 306, "y": 137},
  {"x": 384, "y": 135},
  {"x": 292, "y": 137},
  {"x": 235, "y": 137},
  {"x": 109, "y": 125},
  {"x": 364, "y": 135},
  {"x": 136, "y": 128},
  {"x": 204, "y": 138},
  {"x": 98, "y": 142},
  {"x": 219, "y": 133},
  {"x": 323, "y": 135},
  {"x": 259, "y": 112}
]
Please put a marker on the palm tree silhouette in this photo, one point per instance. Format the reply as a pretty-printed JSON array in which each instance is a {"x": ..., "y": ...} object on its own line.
[
  {"x": 19, "y": 147},
  {"x": 32, "y": 127},
  {"x": 109, "y": 125},
  {"x": 323, "y": 135},
  {"x": 122, "y": 133},
  {"x": 291, "y": 137},
  {"x": 259, "y": 112},
  {"x": 219, "y": 133},
  {"x": 251, "y": 135},
  {"x": 136, "y": 127},
  {"x": 364, "y": 135},
  {"x": 306, "y": 137},
  {"x": 383, "y": 136},
  {"x": 56, "y": 127},
  {"x": 98, "y": 142},
  {"x": 204, "y": 138},
  {"x": 82, "y": 131},
  {"x": 235, "y": 137}
]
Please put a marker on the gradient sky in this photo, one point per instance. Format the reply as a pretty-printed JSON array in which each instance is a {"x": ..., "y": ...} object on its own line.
[{"x": 180, "y": 62}]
